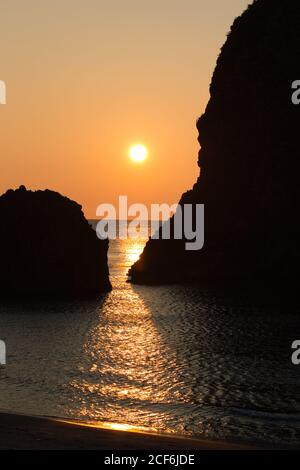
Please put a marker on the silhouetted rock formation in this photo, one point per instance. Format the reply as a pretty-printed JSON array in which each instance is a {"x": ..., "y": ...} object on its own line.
[
  {"x": 47, "y": 247},
  {"x": 249, "y": 160}
]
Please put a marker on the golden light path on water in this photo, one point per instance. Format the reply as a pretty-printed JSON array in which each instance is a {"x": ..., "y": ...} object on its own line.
[
  {"x": 109, "y": 426},
  {"x": 171, "y": 359},
  {"x": 129, "y": 364}
]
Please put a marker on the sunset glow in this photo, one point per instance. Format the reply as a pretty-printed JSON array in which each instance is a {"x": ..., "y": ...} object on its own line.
[
  {"x": 138, "y": 153},
  {"x": 114, "y": 75}
]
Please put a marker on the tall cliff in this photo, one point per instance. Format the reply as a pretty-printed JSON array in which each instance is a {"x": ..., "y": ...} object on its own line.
[
  {"x": 249, "y": 160},
  {"x": 47, "y": 247}
]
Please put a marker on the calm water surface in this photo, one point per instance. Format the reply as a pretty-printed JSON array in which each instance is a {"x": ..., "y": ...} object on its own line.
[{"x": 170, "y": 358}]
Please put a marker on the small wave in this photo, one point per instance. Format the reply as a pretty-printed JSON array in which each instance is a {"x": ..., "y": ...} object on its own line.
[{"x": 267, "y": 415}]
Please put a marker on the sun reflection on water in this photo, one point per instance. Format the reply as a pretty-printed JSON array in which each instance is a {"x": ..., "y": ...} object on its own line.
[
  {"x": 110, "y": 426},
  {"x": 124, "y": 355},
  {"x": 133, "y": 251}
]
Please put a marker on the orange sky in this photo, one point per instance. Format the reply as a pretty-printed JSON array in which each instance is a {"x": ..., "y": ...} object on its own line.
[{"x": 86, "y": 79}]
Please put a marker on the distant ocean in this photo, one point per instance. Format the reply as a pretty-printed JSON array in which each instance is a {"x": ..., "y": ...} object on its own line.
[{"x": 173, "y": 358}]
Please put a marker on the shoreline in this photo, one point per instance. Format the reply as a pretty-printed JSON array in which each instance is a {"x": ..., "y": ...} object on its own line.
[{"x": 21, "y": 432}]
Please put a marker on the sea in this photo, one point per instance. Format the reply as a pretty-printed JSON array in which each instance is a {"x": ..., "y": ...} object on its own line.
[{"x": 175, "y": 359}]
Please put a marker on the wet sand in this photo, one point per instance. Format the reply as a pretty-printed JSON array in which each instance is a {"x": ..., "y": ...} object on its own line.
[{"x": 27, "y": 432}]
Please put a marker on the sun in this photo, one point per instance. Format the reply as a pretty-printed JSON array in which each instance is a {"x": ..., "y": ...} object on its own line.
[{"x": 138, "y": 153}]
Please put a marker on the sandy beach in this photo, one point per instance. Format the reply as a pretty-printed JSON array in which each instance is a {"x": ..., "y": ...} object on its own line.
[{"x": 20, "y": 432}]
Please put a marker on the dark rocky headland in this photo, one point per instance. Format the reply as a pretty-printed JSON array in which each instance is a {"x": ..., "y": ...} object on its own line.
[
  {"x": 249, "y": 161},
  {"x": 48, "y": 248}
]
